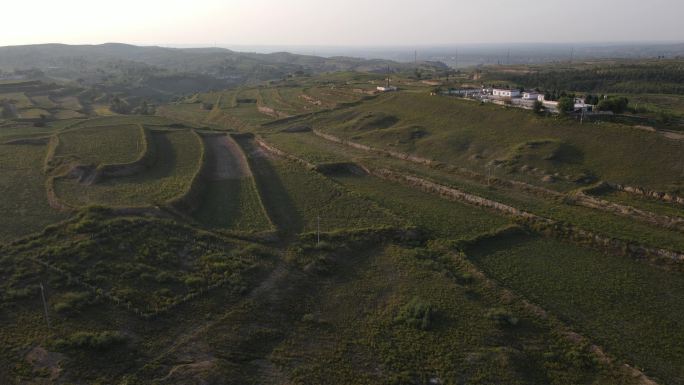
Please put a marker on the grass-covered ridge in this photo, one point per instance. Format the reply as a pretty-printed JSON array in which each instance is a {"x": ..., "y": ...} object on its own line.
[{"x": 465, "y": 133}]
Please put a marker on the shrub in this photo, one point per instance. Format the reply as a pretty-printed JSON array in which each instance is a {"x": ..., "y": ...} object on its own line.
[
  {"x": 566, "y": 104},
  {"x": 616, "y": 104},
  {"x": 72, "y": 301},
  {"x": 91, "y": 340},
  {"x": 417, "y": 314},
  {"x": 502, "y": 316}
]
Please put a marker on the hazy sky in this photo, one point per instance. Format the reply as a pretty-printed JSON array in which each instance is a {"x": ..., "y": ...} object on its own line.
[{"x": 339, "y": 22}]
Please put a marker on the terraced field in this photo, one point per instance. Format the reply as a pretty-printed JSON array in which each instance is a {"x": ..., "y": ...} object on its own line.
[
  {"x": 228, "y": 248},
  {"x": 317, "y": 150},
  {"x": 177, "y": 161},
  {"x": 298, "y": 199},
  {"x": 231, "y": 200},
  {"x": 24, "y": 204},
  {"x": 460, "y": 132},
  {"x": 102, "y": 144},
  {"x": 627, "y": 306}
]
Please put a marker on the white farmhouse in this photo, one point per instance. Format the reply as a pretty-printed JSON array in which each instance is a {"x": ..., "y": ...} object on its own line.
[
  {"x": 502, "y": 93},
  {"x": 532, "y": 95},
  {"x": 386, "y": 88}
]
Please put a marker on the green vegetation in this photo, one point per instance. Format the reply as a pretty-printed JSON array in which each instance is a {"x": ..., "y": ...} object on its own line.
[
  {"x": 24, "y": 204},
  {"x": 441, "y": 217},
  {"x": 298, "y": 200},
  {"x": 647, "y": 77},
  {"x": 644, "y": 203},
  {"x": 618, "y": 302},
  {"x": 123, "y": 280},
  {"x": 189, "y": 256},
  {"x": 232, "y": 204},
  {"x": 177, "y": 161},
  {"x": 102, "y": 144},
  {"x": 458, "y": 132}
]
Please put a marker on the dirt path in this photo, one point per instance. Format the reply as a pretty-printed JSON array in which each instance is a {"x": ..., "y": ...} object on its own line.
[{"x": 226, "y": 160}]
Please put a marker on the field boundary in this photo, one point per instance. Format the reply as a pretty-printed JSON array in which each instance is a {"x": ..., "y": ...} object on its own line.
[
  {"x": 535, "y": 222},
  {"x": 640, "y": 191},
  {"x": 533, "y": 310},
  {"x": 577, "y": 198},
  {"x": 145, "y": 158},
  {"x": 189, "y": 200},
  {"x": 254, "y": 183},
  {"x": 629, "y": 211},
  {"x": 541, "y": 224}
]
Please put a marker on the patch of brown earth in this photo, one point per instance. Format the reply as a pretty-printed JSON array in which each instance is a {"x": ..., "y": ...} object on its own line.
[
  {"x": 44, "y": 361},
  {"x": 226, "y": 160}
]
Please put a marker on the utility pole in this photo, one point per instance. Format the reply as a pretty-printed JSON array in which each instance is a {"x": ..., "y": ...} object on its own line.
[
  {"x": 415, "y": 57},
  {"x": 489, "y": 175},
  {"x": 42, "y": 294},
  {"x": 388, "y": 77},
  {"x": 508, "y": 57}
]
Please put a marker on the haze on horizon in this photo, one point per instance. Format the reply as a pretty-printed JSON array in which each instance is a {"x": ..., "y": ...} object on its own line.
[{"x": 340, "y": 23}]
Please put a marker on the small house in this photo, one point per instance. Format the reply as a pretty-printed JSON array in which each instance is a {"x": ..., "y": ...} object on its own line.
[
  {"x": 386, "y": 88},
  {"x": 531, "y": 95},
  {"x": 502, "y": 93}
]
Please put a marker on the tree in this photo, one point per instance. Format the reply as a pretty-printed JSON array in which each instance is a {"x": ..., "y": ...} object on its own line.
[
  {"x": 566, "y": 105},
  {"x": 118, "y": 106},
  {"x": 591, "y": 99},
  {"x": 7, "y": 111},
  {"x": 616, "y": 104},
  {"x": 538, "y": 106}
]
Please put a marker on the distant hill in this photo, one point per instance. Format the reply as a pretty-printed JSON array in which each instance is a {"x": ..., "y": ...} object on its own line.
[{"x": 115, "y": 63}]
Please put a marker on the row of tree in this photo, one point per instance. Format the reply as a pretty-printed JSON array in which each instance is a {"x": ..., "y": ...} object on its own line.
[{"x": 634, "y": 78}]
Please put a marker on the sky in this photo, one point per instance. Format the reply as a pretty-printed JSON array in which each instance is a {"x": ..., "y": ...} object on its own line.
[{"x": 339, "y": 22}]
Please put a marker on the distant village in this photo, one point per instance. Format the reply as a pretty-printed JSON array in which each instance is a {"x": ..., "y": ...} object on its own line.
[{"x": 520, "y": 99}]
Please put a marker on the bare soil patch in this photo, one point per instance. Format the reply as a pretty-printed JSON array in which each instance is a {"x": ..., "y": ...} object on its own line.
[{"x": 226, "y": 160}]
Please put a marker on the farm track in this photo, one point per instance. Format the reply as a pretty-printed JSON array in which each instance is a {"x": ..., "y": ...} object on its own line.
[
  {"x": 264, "y": 292},
  {"x": 225, "y": 159}
]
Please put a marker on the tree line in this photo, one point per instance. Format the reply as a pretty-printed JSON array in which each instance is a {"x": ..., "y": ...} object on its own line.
[{"x": 633, "y": 78}]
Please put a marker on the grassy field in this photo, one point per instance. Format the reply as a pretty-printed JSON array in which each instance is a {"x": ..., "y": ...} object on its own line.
[
  {"x": 232, "y": 204},
  {"x": 22, "y": 188},
  {"x": 625, "y": 305},
  {"x": 149, "y": 265},
  {"x": 296, "y": 198},
  {"x": 102, "y": 145},
  {"x": 317, "y": 150},
  {"x": 178, "y": 156},
  {"x": 329, "y": 325},
  {"x": 464, "y": 133},
  {"x": 440, "y": 217},
  {"x": 395, "y": 292},
  {"x": 43, "y": 101},
  {"x": 18, "y": 99}
]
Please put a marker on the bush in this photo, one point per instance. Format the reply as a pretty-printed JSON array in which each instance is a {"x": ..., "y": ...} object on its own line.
[
  {"x": 616, "y": 104},
  {"x": 90, "y": 340},
  {"x": 538, "y": 106},
  {"x": 72, "y": 301},
  {"x": 502, "y": 317},
  {"x": 566, "y": 104},
  {"x": 416, "y": 314}
]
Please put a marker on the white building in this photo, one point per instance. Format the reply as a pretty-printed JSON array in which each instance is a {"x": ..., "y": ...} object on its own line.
[
  {"x": 387, "y": 88},
  {"x": 501, "y": 93},
  {"x": 531, "y": 95}
]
